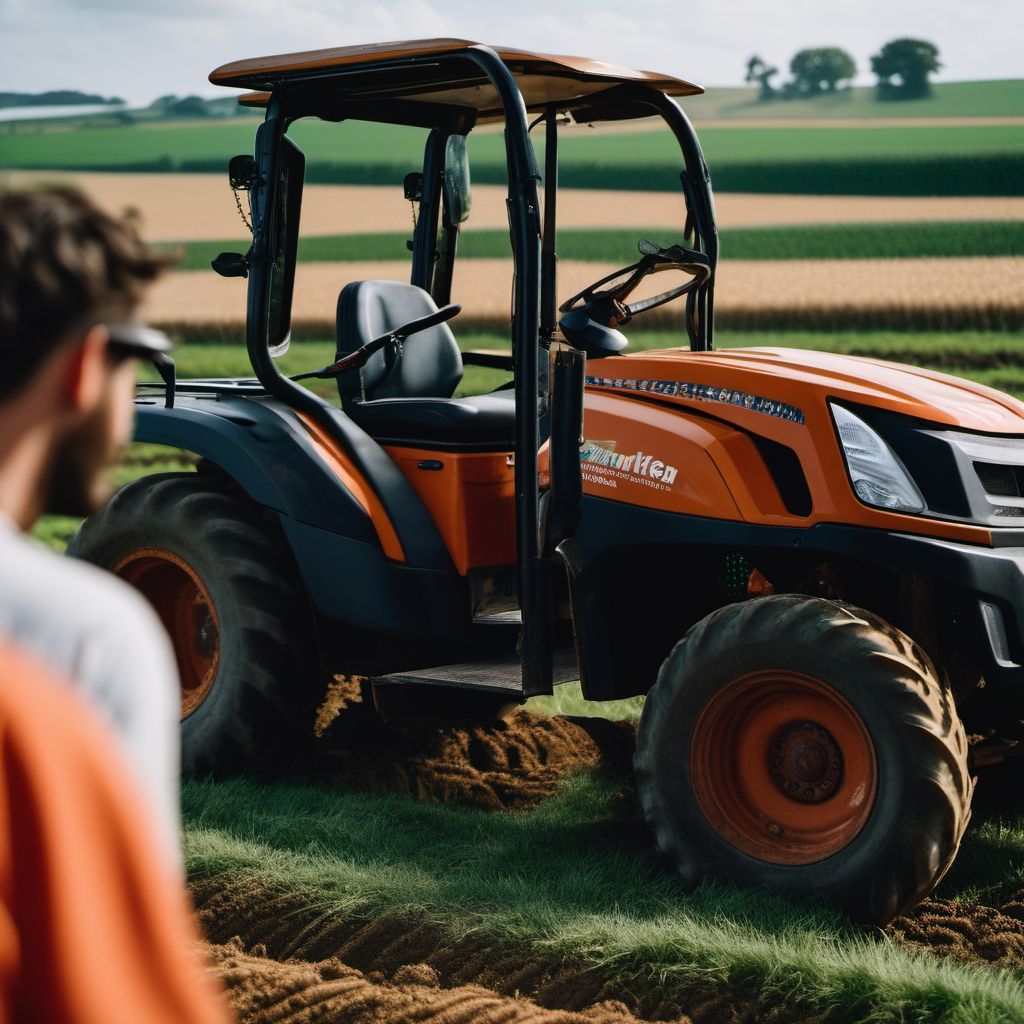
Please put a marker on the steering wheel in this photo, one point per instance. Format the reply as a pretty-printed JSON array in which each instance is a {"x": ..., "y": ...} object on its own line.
[
  {"x": 604, "y": 301},
  {"x": 362, "y": 354}
]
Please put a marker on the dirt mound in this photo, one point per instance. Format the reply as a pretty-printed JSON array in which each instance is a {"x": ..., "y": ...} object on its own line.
[
  {"x": 508, "y": 764},
  {"x": 289, "y": 926},
  {"x": 264, "y": 991},
  {"x": 968, "y": 931}
]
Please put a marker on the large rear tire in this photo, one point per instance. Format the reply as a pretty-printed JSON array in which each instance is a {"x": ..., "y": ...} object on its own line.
[
  {"x": 806, "y": 746},
  {"x": 222, "y": 581}
]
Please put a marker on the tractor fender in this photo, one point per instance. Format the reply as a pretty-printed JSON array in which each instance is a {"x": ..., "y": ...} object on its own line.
[
  {"x": 270, "y": 458},
  {"x": 346, "y": 570}
]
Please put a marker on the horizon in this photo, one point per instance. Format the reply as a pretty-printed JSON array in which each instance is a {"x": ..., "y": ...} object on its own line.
[{"x": 225, "y": 93}]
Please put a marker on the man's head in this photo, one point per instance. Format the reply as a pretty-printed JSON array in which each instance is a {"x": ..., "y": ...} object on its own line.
[{"x": 67, "y": 271}]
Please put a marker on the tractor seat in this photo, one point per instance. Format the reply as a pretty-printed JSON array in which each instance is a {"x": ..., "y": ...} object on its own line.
[{"x": 408, "y": 394}]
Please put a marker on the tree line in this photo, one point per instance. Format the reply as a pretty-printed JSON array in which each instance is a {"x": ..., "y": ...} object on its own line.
[{"x": 902, "y": 68}]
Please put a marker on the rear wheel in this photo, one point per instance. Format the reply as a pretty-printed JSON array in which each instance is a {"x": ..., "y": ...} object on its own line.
[
  {"x": 807, "y": 746},
  {"x": 222, "y": 582}
]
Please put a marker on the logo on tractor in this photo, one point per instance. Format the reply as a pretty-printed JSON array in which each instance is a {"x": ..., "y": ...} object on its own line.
[
  {"x": 704, "y": 393},
  {"x": 605, "y": 465}
]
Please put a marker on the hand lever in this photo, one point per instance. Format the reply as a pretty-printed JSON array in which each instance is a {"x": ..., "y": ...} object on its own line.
[{"x": 398, "y": 335}]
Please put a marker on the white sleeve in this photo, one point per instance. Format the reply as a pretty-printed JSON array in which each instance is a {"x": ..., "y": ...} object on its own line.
[{"x": 128, "y": 670}]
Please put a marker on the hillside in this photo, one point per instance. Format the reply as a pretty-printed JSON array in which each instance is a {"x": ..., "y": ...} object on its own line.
[{"x": 999, "y": 98}]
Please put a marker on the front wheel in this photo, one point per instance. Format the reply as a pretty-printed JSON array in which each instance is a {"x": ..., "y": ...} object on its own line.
[{"x": 807, "y": 746}]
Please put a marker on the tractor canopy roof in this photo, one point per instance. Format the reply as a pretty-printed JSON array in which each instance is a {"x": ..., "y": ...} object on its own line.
[{"x": 398, "y": 82}]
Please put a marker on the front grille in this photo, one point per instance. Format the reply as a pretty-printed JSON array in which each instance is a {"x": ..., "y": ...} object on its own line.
[{"x": 998, "y": 480}]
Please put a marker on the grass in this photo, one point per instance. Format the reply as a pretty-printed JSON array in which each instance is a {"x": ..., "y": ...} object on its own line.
[
  {"x": 610, "y": 245},
  {"x": 568, "y": 699},
  {"x": 365, "y": 143},
  {"x": 925, "y": 160},
  {"x": 570, "y": 878}
]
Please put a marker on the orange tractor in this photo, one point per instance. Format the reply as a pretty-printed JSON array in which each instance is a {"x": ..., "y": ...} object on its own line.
[{"x": 807, "y": 562}]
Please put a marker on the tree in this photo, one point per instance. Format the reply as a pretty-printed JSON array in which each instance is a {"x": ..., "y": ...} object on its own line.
[
  {"x": 903, "y": 67},
  {"x": 190, "y": 106},
  {"x": 761, "y": 73},
  {"x": 820, "y": 70}
]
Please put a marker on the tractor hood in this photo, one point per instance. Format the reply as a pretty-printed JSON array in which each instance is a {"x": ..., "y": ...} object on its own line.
[{"x": 794, "y": 384}]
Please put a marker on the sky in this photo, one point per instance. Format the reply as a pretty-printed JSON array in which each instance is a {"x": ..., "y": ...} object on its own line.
[{"x": 140, "y": 49}]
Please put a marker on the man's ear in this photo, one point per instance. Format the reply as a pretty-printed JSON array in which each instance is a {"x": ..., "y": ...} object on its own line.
[{"x": 86, "y": 370}]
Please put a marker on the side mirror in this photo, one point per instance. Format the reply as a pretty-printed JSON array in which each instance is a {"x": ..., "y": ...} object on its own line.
[
  {"x": 457, "y": 198},
  {"x": 230, "y": 264},
  {"x": 242, "y": 174},
  {"x": 589, "y": 336}
]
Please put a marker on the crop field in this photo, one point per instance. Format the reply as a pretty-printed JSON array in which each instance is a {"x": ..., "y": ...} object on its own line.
[
  {"x": 502, "y": 872},
  {"x": 829, "y": 241},
  {"x": 199, "y": 207},
  {"x": 935, "y": 293},
  {"x": 924, "y": 160}
]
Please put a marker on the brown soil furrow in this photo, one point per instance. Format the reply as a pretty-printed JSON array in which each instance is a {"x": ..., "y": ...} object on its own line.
[
  {"x": 509, "y": 764},
  {"x": 968, "y": 931},
  {"x": 287, "y": 926},
  {"x": 264, "y": 991}
]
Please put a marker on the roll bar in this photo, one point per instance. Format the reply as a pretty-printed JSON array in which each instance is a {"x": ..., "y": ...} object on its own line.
[{"x": 525, "y": 230}]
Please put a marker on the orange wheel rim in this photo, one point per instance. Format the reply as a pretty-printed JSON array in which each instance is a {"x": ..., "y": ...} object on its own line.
[
  {"x": 783, "y": 767},
  {"x": 184, "y": 606}
]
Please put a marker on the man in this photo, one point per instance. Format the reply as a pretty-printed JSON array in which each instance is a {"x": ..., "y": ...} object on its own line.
[
  {"x": 91, "y": 929},
  {"x": 71, "y": 278}
]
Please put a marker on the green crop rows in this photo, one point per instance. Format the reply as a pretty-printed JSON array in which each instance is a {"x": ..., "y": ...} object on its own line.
[
  {"x": 926, "y": 160},
  {"x": 618, "y": 245}
]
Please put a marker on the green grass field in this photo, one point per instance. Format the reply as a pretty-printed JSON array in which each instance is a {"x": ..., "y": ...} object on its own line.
[
  {"x": 983, "y": 160},
  {"x": 827, "y": 241}
]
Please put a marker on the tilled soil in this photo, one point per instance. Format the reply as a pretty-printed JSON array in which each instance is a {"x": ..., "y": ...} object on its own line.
[
  {"x": 509, "y": 764},
  {"x": 264, "y": 991},
  {"x": 969, "y": 931},
  {"x": 294, "y": 933},
  {"x": 285, "y": 926}
]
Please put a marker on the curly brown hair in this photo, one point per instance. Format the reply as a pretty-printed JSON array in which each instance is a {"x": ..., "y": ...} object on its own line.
[{"x": 65, "y": 265}]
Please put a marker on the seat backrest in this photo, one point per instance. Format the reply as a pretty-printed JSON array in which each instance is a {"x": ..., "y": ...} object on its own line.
[{"x": 430, "y": 365}]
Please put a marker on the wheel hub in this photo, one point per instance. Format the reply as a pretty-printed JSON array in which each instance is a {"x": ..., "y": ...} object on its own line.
[
  {"x": 185, "y": 608},
  {"x": 805, "y": 762}
]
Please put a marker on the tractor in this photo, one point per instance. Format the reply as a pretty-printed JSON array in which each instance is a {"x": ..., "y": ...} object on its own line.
[{"x": 811, "y": 564}]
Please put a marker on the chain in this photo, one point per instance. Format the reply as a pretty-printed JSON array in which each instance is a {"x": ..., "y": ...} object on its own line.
[
  {"x": 412, "y": 203},
  {"x": 241, "y": 212}
]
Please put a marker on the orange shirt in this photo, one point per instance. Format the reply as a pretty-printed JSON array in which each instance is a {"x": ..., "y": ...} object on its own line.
[{"x": 93, "y": 927}]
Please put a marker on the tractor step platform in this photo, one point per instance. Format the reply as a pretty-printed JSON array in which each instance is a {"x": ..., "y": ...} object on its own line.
[
  {"x": 499, "y": 675},
  {"x": 514, "y": 617}
]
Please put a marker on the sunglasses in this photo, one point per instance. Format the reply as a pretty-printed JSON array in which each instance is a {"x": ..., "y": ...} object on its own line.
[{"x": 140, "y": 342}]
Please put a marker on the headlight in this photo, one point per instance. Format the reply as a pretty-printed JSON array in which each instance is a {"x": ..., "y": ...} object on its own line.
[{"x": 878, "y": 476}]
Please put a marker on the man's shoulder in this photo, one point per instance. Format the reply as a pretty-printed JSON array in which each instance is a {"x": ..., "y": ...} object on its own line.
[{"x": 66, "y": 593}]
